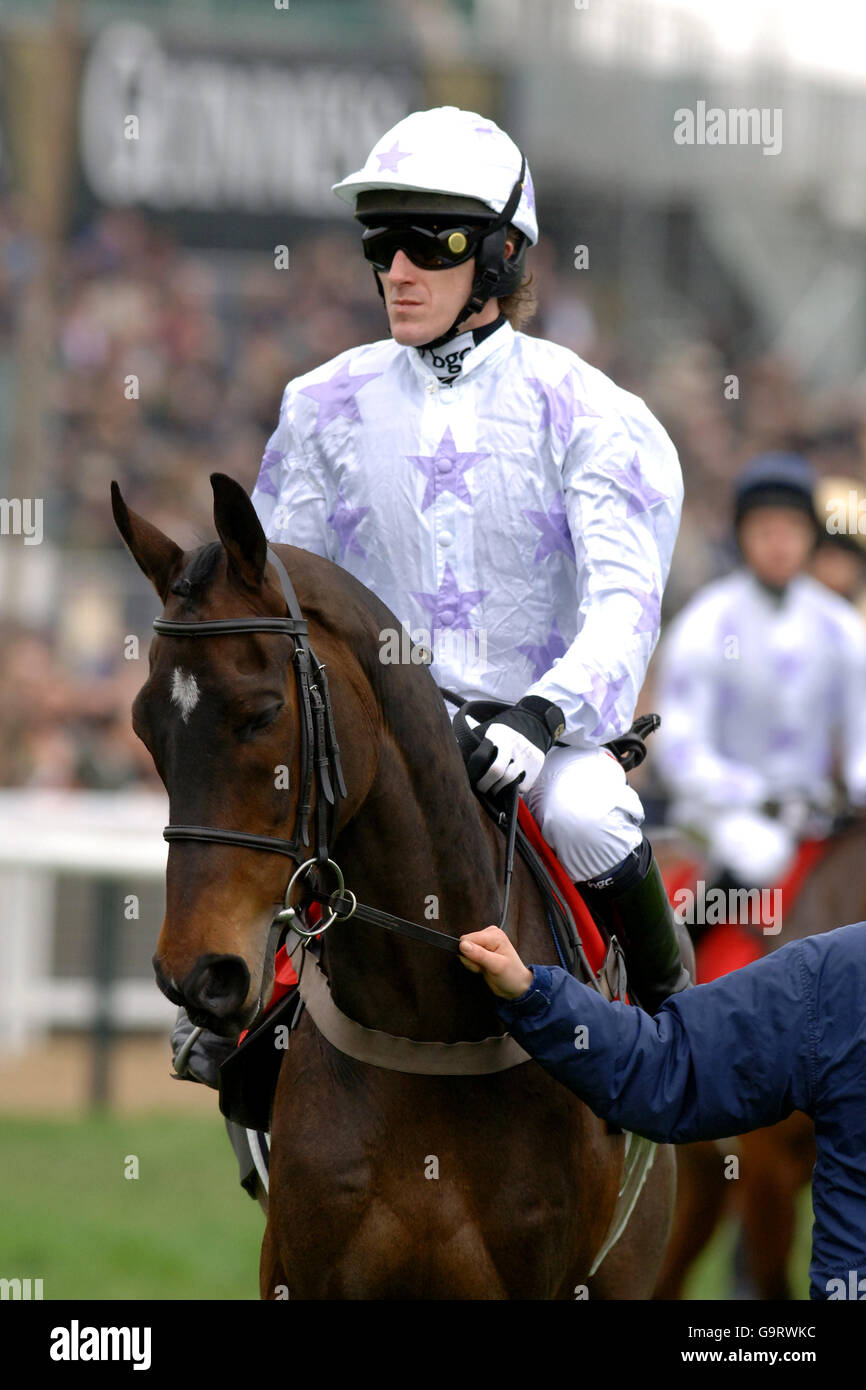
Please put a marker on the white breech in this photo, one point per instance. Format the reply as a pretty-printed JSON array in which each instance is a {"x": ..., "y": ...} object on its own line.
[
  {"x": 755, "y": 849},
  {"x": 586, "y": 810}
]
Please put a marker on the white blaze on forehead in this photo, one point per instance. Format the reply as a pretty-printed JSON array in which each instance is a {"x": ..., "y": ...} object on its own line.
[{"x": 184, "y": 692}]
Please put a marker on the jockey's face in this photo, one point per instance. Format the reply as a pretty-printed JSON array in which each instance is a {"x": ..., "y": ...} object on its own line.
[
  {"x": 776, "y": 543},
  {"x": 421, "y": 304}
]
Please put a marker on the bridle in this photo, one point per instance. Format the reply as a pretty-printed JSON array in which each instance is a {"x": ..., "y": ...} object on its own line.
[
  {"x": 320, "y": 754},
  {"x": 320, "y": 759}
]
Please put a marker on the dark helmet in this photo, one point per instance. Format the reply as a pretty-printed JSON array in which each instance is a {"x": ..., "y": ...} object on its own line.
[{"x": 776, "y": 480}]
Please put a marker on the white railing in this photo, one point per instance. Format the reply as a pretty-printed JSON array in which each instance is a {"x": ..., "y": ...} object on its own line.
[{"x": 110, "y": 838}]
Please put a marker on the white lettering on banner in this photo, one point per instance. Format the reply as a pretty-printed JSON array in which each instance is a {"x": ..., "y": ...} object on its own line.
[{"x": 217, "y": 133}]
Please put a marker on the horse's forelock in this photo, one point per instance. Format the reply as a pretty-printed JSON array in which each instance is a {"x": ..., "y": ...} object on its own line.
[{"x": 199, "y": 572}]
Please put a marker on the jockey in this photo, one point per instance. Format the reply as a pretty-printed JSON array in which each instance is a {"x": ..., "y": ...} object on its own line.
[
  {"x": 499, "y": 495},
  {"x": 511, "y": 505},
  {"x": 761, "y": 684}
]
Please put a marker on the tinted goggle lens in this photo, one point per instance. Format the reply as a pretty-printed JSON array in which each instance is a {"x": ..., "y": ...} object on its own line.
[{"x": 426, "y": 247}]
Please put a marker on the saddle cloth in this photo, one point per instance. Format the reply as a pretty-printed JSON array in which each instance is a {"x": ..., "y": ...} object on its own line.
[{"x": 727, "y": 946}]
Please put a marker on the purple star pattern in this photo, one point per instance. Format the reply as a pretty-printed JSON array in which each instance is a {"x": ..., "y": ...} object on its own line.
[
  {"x": 345, "y": 521},
  {"x": 336, "y": 396},
  {"x": 543, "y": 657},
  {"x": 559, "y": 406},
  {"x": 679, "y": 755},
  {"x": 449, "y": 606},
  {"x": 603, "y": 695},
  {"x": 680, "y": 685},
  {"x": 650, "y": 609},
  {"x": 835, "y": 696},
  {"x": 390, "y": 160},
  {"x": 781, "y": 740},
  {"x": 444, "y": 470},
  {"x": 831, "y": 628},
  {"x": 786, "y": 665},
  {"x": 266, "y": 482},
  {"x": 727, "y": 697},
  {"x": 642, "y": 495},
  {"x": 555, "y": 535},
  {"x": 529, "y": 192}
]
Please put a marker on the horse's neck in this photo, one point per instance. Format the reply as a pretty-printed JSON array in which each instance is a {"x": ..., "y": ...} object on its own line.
[{"x": 416, "y": 848}]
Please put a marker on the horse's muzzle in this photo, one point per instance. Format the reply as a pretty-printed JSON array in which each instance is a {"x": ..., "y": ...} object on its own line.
[{"x": 213, "y": 993}]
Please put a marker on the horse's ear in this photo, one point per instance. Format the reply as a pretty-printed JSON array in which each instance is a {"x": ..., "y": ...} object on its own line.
[
  {"x": 240, "y": 531},
  {"x": 154, "y": 553}
]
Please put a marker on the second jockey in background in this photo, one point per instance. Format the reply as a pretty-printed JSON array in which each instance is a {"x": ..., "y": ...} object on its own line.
[{"x": 762, "y": 689}]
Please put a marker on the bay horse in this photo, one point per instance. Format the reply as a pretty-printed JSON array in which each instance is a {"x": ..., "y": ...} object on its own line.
[
  {"x": 775, "y": 1163},
  {"x": 383, "y": 1184}
]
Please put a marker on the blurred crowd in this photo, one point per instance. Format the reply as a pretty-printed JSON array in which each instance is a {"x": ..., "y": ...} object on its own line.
[{"x": 212, "y": 338}]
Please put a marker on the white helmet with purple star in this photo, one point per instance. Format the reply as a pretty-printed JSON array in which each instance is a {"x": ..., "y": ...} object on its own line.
[{"x": 450, "y": 152}]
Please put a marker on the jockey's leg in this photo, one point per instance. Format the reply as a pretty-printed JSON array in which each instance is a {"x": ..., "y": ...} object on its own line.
[
  {"x": 745, "y": 848},
  {"x": 753, "y": 848},
  {"x": 592, "y": 818}
]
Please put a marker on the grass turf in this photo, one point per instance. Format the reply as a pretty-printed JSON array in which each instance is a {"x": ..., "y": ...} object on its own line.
[{"x": 183, "y": 1229}]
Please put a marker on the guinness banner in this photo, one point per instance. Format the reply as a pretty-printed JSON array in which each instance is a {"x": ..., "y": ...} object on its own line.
[{"x": 183, "y": 131}]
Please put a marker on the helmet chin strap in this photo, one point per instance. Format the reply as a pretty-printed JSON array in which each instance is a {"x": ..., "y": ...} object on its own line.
[
  {"x": 485, "y": 280},
  {"x": 465, "y": 313}
]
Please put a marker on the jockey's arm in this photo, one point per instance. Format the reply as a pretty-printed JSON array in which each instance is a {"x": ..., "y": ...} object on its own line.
[
  {"x": 691, "y": 668},
  {"x": 622, "y": 488},
  {"x": 291, "y": 496}
]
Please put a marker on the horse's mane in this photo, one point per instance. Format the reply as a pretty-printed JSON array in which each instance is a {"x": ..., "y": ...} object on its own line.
[{"x": 353, "y": 613}]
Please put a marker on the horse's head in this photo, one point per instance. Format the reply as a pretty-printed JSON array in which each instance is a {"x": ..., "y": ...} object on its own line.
[{"x": 219, "y": 715}]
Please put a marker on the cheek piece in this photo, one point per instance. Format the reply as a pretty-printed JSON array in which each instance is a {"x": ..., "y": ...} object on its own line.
[{"x": 495, "y": 275}]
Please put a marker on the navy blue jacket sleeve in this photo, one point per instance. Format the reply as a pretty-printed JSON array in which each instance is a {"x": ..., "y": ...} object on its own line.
[
  {"x": 716, "y": 1060},
  {"x": 837, "y": 962}
]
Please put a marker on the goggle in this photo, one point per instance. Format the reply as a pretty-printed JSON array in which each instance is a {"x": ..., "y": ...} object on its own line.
[{"x": 426, "y": 247}]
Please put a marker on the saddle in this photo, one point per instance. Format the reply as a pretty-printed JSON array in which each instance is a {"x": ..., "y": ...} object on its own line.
[{"x": 248, "y": 1078}]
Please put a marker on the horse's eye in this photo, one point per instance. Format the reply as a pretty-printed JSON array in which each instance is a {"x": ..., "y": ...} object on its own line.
[{"x": 259, "y": 721}]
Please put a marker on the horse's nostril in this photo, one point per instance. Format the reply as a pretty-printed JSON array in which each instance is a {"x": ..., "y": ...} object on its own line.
[
  {"x": 166, "y": 983},
  {"x": 218, "y": 985}
]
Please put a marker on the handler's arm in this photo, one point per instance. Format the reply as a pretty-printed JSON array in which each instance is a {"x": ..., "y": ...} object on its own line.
[{"x": 718, "y": 1059}]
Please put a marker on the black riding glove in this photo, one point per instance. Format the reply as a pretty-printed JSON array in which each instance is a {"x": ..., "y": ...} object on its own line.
[{"x": 514, "y": 745}]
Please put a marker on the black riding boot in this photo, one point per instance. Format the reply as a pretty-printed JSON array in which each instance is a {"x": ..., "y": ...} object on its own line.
[{"x": 630, "y": 902}]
